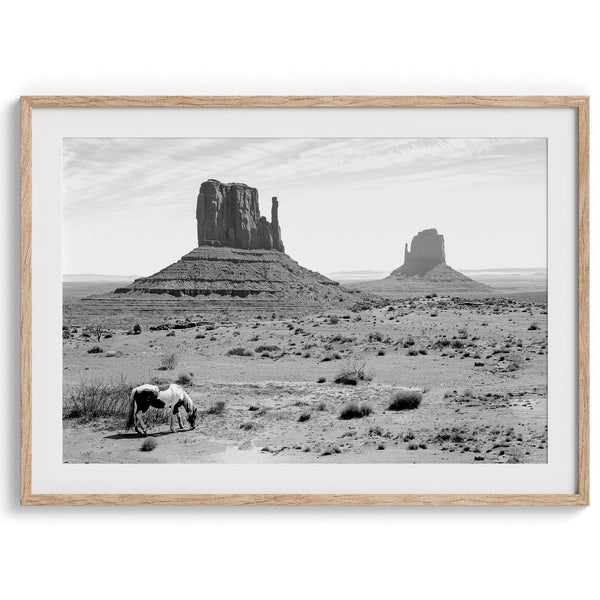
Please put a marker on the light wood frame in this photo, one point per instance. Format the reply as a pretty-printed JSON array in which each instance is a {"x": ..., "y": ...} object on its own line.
[{"x": 581, "y": 103}]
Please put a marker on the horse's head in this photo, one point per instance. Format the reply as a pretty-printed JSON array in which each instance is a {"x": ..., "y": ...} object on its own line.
[{"x": 192, "y": 418}]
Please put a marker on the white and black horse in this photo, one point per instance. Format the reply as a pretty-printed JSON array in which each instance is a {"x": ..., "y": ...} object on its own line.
[{"x": 147, "y": 395}]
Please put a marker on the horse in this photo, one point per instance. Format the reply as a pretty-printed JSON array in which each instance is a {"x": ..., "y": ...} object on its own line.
[{"x": 147, "y": 395}]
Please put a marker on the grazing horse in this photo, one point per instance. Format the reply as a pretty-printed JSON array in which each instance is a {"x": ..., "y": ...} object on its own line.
[{"x": 147, "y": 395}]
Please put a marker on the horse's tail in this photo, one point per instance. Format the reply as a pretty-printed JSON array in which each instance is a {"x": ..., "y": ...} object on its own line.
[{"x": 131, "y": 417}]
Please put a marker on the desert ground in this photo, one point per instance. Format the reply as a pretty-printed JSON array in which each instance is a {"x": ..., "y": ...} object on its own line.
[{"x": 265, "y": 382}]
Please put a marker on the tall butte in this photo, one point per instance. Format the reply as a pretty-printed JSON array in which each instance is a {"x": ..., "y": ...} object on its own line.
[
  {"x": 228, "y": 214},
  {"x": 240, "y": 254},
  {"x": 425, "y": 271}
]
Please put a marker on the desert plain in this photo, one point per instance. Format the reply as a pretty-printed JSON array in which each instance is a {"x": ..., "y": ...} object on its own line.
[{"x": 310, "y": 386}]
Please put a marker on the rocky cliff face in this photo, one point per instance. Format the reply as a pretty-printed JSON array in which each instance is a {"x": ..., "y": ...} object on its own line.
[
  {"x": 228, "y": 215},
  {"x": 426, "y": 253}
]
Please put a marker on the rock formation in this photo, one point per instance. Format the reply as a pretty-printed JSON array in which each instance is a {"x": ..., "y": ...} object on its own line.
[
  {"x": 239, "y": 255},
  {"x": 424, "y": 272},
  {"x": 426, "y": 253},
  {"x": 228, "y": 214}
]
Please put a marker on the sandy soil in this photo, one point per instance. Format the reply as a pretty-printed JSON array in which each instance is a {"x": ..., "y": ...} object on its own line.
[{"x": 481, "y": 366}]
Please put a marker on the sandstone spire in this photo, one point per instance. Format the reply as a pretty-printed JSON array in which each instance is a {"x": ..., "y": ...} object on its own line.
[
  {"x": 228, "y": 214},
  {"x": 426, "y": 252}
]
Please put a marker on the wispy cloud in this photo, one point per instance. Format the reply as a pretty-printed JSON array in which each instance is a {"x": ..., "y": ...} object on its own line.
[
  {"x": 111, "y": 184},
  {"x": 114, "y": 175}
]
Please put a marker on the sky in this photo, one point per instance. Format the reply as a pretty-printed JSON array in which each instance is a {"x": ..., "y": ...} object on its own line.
[{"x": 345, "y": 204}]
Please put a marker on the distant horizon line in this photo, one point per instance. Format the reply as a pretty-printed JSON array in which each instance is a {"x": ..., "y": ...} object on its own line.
[{"x": 341, "y": 272}]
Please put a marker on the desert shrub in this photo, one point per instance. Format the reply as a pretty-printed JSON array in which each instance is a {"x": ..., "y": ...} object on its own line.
[
  {"x": 408, "y": 342},
  {"x": 413, "y": 446},
  {"x": 107, "y": 336},
  {"x": 381, "y": 352},
  {"x": 239, "y": 351},
  {"x": 159, "y": 380},
  {"x": 304, "y": 416},
  {"x": 321, "y": 380},
  {"x": 331, "y": 450},
  {"x": 98, "y": 398},
  {"x": 137, "y": 329},
  {"x": 457, "y": 344},
  {"x": 463, "y": 333},
  {"x": 533, "y": 327},
  {"x": 422, "y": 351},
  {"x": 168, "y": 362},
  {"x": 247, "y": 425},
  {"x": 217, "y": 407},
  {"x": 266, "y": 348},
  {"x": 95, "y": 350},
  {"x": 321, "y": 406},
  {"x": 199, "y": 336},
  {"x": 148, "y": 445},
  {"x": 375, "y": 336},
  {"x": 184, "y": 379},
  {"x": 341, "y": 339},
  {"x": 353, "y": 372},
  {"x": 515, "y": 361},
  {"x": 96, "y": 329},
  {"x": 353, "y": 410},
  {"x": 405, "y": 400},
  {"x": 515, "y": 454},
  {"x": 334, "y": 320},
  {"x": 412, "y": 352}
]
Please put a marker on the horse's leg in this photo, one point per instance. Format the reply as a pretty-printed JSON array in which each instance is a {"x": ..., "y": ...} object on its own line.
[
  {"x": 135, "y": 421},
  {"x": 175, "y": 411},
  {"x": 141, "y": 423}
]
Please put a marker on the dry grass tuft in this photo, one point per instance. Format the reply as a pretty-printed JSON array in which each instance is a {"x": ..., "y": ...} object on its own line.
[
  {"x": 148, "y": 445},
  {"x": 353, "y": 410},
  {"x": 406, "y": 400},
  {"x": 217, "y": 407},
  {"x": 239, "y": 351},
  {"x": 353, "y": 372}
]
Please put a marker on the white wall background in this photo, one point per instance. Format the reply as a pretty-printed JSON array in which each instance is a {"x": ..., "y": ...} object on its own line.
[{"x": 121, "y": 47}]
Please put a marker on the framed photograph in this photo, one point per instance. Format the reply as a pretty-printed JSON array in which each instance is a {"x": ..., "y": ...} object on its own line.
[{"x": 305, "y": 300}]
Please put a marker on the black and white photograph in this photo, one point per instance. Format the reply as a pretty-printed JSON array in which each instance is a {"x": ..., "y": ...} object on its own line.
[{"x": 304, "y": 300}]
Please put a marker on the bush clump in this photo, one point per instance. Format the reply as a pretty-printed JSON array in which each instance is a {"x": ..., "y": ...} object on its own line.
[
  {"x": 217, "y": 407},
  {"x": 168, "y": 362},
  {"x": 304, "y": 416},
  {"x": 148, "y": 445},
  {"x": 98, "y": 398},
  {"x": 184, "y": 379},
  {"x": 267, "y": 348},
  {"x": 353, "y": 372},
  {"x": 95, "y": 350},
  {"x": 239, "y": 351},
  {"x": 405, "y": 400},
  {"x": 353, "y": 410}
]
